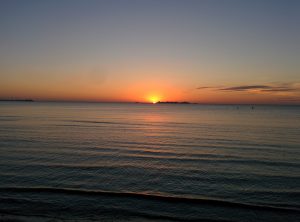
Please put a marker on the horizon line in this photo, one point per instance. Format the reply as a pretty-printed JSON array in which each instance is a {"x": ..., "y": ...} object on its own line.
[{"x": 148, "y": 103}]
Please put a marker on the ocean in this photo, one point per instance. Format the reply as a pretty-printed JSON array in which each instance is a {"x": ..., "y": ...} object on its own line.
[{"x": 149, "y": 162}]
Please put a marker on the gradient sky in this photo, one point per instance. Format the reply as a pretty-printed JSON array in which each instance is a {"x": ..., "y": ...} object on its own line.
[{"x": 213, "y": 51}]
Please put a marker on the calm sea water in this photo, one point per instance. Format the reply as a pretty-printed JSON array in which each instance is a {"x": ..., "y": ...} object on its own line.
[{"x": 108, "y": 162}]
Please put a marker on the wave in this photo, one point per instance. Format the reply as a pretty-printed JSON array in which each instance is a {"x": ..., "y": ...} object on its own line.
[
  {"x": 104, "y": 122},
  {"x": 146, "y": 196},
  {"x": 90, "y": 121},
  {"x": 131, "y": 123},
  {"x": 125, "y": 213},
  {"x": 206, "y": 143},
  {"x": 172, "y": 171}
]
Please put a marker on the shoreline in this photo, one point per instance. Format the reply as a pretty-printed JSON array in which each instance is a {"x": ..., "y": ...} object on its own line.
[{"x": 7, "y": 217}]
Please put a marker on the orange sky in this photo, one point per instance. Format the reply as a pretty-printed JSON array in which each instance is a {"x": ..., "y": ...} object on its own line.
[{"x": 153, "y": 91}]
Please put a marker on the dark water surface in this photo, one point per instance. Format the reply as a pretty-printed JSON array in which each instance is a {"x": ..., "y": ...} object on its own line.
[{"x": 88, "y": 161}]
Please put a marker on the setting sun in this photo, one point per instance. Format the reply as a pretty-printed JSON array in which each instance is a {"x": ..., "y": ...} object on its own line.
[{"x": 153, "y": 99}]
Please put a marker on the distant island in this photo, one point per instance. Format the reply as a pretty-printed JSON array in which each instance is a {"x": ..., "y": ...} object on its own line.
[
  {"x": 16, "y": 100},
  {"x": 166, "y": 102},
  {"x": 172, "y": 102}
]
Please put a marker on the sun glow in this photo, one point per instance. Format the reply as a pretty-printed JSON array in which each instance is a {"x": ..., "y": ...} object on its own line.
[{"x": 153, "y": 99}]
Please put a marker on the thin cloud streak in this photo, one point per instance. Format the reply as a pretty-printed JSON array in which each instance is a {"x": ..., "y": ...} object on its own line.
[
  {"x": 205, "y": 87},
  {"x": 283, "y": 87},
  {"x": 283, "y": 92},
  {"x": 245, "y": 88}
]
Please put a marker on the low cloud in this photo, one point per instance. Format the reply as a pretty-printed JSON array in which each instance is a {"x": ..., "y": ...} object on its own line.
[
  {"x": 245, "y": 88},
  {"x": 266, "y": 88},
  {"x": 204, "y": 87},
  {"x": 261, "y": 88}
]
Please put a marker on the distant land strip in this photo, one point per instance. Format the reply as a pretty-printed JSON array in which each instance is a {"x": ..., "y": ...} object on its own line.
[{"x": 16, "y": 100}]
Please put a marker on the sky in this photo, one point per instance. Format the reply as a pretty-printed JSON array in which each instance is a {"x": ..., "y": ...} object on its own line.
[{"x": 205, "y": 51}]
